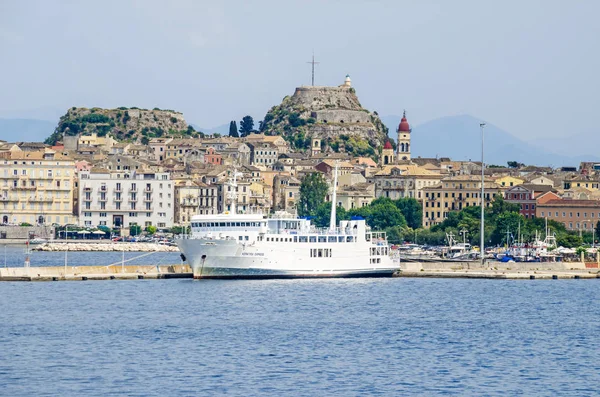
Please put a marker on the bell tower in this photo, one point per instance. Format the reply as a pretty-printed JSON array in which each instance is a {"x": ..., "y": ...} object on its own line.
[
  {"x": 387, "y": 154},
  {"x": 315, "y": 149},
  {"x": 403, "y": 131}
]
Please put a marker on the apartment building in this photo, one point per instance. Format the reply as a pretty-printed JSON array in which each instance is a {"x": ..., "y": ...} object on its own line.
[
  {"x": 455, "y": 193},
  {"x": 121, "y": 199},
  {"x": 402, "y": 181},
  {"x": 194, "y": 198},
  {"x": 36, "y": 187},
  {"x": 525, "y": 196},
  {"x": 574, "y": 214},
  {"x": 263, "y": 153}
]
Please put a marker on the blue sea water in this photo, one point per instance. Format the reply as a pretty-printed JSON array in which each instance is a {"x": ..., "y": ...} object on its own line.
[
  {"x": 339, "y": 337},
  {"x": 14, "y": 256}
]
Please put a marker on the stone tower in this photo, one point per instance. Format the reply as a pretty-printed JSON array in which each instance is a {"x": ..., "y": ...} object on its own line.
[
  {"x": 403, "y": 139},
  {"x": 387, "y": 155},
  {"x": 315, "y": 146}
]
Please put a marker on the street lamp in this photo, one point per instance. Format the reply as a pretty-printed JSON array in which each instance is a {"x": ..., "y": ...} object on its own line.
[
  {"x": 482, "y": 241},
  {"x": 593, "y": 231}
]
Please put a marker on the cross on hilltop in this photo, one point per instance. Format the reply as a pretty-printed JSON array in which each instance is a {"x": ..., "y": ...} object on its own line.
[{"x": 313, "y": 63}]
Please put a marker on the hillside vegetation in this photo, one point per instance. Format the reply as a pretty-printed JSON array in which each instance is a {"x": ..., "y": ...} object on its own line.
[{"x": 123, "y": 124}]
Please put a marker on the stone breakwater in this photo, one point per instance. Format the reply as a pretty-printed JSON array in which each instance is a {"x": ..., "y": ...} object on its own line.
[{"x": 128, "y": 247}]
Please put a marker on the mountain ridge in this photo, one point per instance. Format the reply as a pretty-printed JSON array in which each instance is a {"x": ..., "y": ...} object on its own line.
[{"x": 459, "y": 137}]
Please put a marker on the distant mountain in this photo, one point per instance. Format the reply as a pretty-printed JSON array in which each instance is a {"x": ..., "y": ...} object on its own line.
[
  {"x": 25, "y": 130},
  {"x": 220, "y": 129},
  {"x": 459, "y": 137}
]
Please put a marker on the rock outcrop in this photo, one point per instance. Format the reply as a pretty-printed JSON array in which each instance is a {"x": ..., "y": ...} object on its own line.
[
  {"x": 332, "y": 114},
  {"x": 123, "y": 124}
]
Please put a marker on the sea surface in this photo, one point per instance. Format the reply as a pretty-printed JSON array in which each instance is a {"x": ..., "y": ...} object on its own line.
[
  {"x": 14, "y": 256},
  {"x": 337, "y": 337}
]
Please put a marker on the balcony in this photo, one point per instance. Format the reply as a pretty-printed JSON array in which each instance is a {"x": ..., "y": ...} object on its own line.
[
  {"x": 40, "y": 200},
  {"x": 133, "y": 189},
  {"x": 25, "y": 188},
  {"x": 118, "y": 189},
  {"x": 148, "y": 190},
  {"x": 102, "y": 199},
  {"x": 148, "y": 200},
  {"x": 9, "y": 199},
  {"x": 118, "y": 199},
  {"x": 132, "y": 199}
]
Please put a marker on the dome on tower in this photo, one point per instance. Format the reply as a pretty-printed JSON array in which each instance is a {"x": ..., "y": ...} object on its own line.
[
  {"x": 387, "y": 145},
  {"x": 404, "y": 126}
]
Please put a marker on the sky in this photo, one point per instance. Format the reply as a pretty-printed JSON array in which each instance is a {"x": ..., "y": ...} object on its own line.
[{"x": 529, "y": 67}]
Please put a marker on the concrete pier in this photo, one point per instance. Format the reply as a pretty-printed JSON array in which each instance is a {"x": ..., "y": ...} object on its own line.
[
  {"x": 84, "y": 273},
  {"x": 499, "y": 270}
]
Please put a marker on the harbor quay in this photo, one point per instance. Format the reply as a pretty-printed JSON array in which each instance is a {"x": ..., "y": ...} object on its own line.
[
  {"x": 491, "y": 270},
  {"x": 84, "y": 273},
  {"x": 500, "y": 270}
]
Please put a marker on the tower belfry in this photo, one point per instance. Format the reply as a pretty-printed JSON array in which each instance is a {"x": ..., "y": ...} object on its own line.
[
  {"x": 403, "y": 147},
  {"x": 313, "y": 63}
]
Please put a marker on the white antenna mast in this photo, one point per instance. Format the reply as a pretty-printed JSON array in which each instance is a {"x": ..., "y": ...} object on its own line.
[{"x": 332, "y": 223}]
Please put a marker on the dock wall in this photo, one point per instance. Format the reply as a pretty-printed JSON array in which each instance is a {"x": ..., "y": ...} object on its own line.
[{"x": 55, "y": 273}]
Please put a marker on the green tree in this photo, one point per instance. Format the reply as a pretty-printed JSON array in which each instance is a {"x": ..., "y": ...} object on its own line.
[
  {"x": 233, "y": 131},
  {"x": 383, "y": 216},
  {"x": 313, "y": 191},
  {"x": 151, "y": 229},
  {"x": 135, "y": 230},
  {"x": 412, "y": 211},
  {"x": 568, "y": 240},
  {"x": 145, "y": 140},
  {"x": 507, "y": 222},
  {"x": 323, "y": 215},
  {"x": 246, "y": 126}
]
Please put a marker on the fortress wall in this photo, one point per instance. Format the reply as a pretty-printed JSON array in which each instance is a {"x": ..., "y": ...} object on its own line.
[
  {"x": 321, "y": 97},
  {"x": 341, "y": 116}
]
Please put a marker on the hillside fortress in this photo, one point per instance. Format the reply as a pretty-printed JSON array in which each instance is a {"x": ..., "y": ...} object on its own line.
[{"x": 331, "y": 114}]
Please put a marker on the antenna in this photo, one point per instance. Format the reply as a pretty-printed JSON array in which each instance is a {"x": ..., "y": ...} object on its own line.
[{"x": 313, "y": 63}]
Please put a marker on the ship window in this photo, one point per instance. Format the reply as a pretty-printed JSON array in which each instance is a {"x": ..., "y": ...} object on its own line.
[
  {"x": 222, "y": 224},
  {"x": 237, "y": 224},
  {"x": 246, "y": 238},
  {"x": 319, "y": 253},
  {"x": 332, "y": 239},
  {"x": 312, "y": 239},
  {"x": 349, "y": 239},
  {"x": 295, "y": 239},
  {"x": 340, "y": 239},
  {"x": 240, "y": 238},
  {"x": 322, "y": 239},
  {"x": 303, "y": 239}
]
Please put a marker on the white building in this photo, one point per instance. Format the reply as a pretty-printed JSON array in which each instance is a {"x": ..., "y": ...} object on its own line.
[{"x": 121, "y": 199}]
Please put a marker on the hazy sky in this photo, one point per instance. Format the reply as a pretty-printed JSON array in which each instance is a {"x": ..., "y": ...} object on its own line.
[{"x": 529, "y": 67}]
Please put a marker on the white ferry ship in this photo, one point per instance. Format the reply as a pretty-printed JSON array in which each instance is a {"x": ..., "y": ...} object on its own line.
[{"x": 231, "y": 245}]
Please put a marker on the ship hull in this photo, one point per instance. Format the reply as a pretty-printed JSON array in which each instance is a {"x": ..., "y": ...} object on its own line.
[{"x": 225, "y": 259}]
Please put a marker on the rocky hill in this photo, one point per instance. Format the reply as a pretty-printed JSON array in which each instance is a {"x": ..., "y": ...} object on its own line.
[
  {"x": 123, "y": 124},
  {"x": 333, "y": 114}
]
